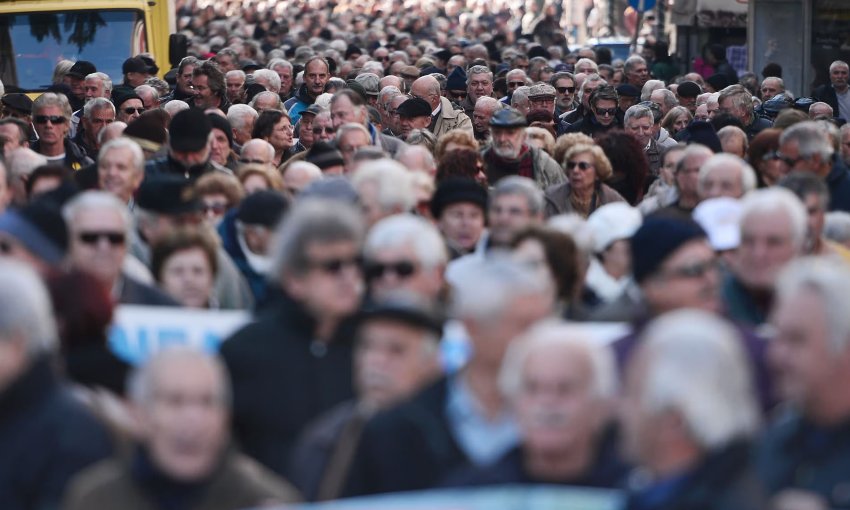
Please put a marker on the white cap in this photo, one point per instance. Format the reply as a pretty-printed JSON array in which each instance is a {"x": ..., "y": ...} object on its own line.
[
  {"x": 720, "y": 218},
  {"x": 613, "y": 222}
]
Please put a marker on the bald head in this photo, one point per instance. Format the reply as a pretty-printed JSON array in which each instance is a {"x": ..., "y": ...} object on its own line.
[
  {"x": 299, "y": 175},
  {"x": 427, "y": 88}
]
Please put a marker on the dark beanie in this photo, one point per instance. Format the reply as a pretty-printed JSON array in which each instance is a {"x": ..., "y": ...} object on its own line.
[
  {"x": 718, "y": 81},
  {"x": 189, "y": 130},
  {"x": 264, "y": 208},
  {"x": 701, "y": 132},
  {"x": 456, "y": 190},
  {"x": 219, "y": 122},
  {"x": 324, "y": 155},
  {"x": 456, "y": 79},
  {"x": 40, "y": 228},
  {"x": 656, "y": 240},
  {"x": 147, "y": 127}
]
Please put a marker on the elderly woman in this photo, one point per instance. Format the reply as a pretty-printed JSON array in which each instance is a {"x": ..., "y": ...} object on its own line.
[
  {"x": 255, "y": 177},
  {"x": 184, "y": 264},
  {"x": 764, "y": 159},
  {"x": 275, "y": 127},
  {"x": 676, "y": 120},
  {"x": 586, "y": 168},
  {"x": 453, "y": 140},
  {"x": 218, "y": 193}
]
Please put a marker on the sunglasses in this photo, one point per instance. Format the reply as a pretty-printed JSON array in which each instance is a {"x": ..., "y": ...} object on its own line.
[
  {"x": 131, "y": 111},
  {"x": 458, "y": 95},
  {"x": 327, "y": 130},
  {"x": 564, "y": 90},
  {"x": 53, "y": 119},
  {"x": 606, "y": 112},
  {"x": 335, "y": 266},
  {"x": 403, "y": 269},
  {"x": 214, "y": 208},
  {"x": 582, "y": 165},
  {"x": 695, "y": 270},
  {"x": 516, "y": 84},
  {"x": 92, "y": 238}
]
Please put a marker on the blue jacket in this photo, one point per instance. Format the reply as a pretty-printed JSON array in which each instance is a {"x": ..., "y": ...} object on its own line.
[{"x": 230, "y": 243}]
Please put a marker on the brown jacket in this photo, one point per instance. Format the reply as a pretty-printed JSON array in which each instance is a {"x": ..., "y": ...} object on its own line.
[
  {"x": 239, "y": 483},
  {"x": 558, "y": 199},
  {"x": 449, "y": 119}
]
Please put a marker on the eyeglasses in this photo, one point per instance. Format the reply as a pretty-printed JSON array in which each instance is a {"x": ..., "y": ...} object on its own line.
[
  {"x": 582, "y": 165},
  {"x": 114, "y": 238},
  {"x": 403, "y": 269},
  {"x": 53, "y": 119},
  {"x": 564, "y": 90},
  {"x": 214, "y": 208},
  {"x": 694, "y": 270},
  {"x": 327, "y": 130},
  {"x": 247, "y": 161},
  {"x": 606, "y": 112},
  {"x": 516, "y": 84},
  {"x": 458, "y": 95},
  {"x": 336, "y": 265},
  {"x": 787, "y": 159},
  {"x": 131, "y": 111}
]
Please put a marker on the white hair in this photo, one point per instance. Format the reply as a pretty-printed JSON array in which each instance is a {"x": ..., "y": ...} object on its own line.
[
  {"x": 523, "y": 186},
  {"x": 96, "y": 199},
  {"x": 552, "y": 335},
  {"x": 393, "y": 183},
  {"x": 638, "y": 111},
  {"x": 238, "y": 114},
  {"x": 138, "y": 157},
  {"x": 829, "y": 279},
  {"x": 406, "y": 229},
  {"x": 837, "y": 226},
  {"x": 810, "y": 138},
  {"x": 697, "y": 368},
  {"x": 236, "y": 72},
  {"x": 586, "y": 61},
  {"x": 576, "y": 227},
  {"x": 279, "y": 62},
  {"x": 97, "y": 103},
  {"x": 649, "y": 87},
  {"x": 267, "y": 93},
  {"x": 272, "y": 77},
  {"x": 748, "y": 175},
  {"x": 488, "y": 286},
  {"x": 176, "y": 106},
  {"x": 143, "y": 380},
  {"x": 769, "y": 201},
  {"x": 256, "y": 141},
  {"x": 104, "y": 78},
  {"x": 25, "y": 308},
  {"x": 23, "y": 160}
]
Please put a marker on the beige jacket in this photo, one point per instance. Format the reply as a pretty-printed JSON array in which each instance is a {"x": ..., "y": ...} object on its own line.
[{"x": 449, "y": 119}]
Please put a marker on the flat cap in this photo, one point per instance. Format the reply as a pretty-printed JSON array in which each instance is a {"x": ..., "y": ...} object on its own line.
[
  {"x": 508, "y": 118},
  {"x": 81, "y": 69},
  {"x": 688, "y": 89},
  {"x": 628, "y": 90},
  {"x": 370, "y": 83},
  {"x": 18, "y": 101},
  {"x": 414, "y": 107},
  {"x": 541, "y": 91},
  {"x": 409, "y": 72}
]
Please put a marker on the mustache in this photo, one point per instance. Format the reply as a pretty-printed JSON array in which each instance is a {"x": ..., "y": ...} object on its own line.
[{"x": 549, "y": 418}]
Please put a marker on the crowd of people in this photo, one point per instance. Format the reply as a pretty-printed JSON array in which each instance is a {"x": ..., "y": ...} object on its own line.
[{"x": 425, "y": 212}]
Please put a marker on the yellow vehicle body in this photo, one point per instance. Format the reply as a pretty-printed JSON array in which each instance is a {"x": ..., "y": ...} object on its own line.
[{"x": 36, "y": 34}]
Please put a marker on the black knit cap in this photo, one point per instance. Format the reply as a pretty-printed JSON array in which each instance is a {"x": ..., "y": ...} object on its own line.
[
  {"x": 167, "y": 194},
  {"x": 81, "y": 69},
  {"x": 657, "y": 239},
  {"x": 324, "y": 155},
  {"x": 414, "y": 107},
  {"x": 189, "y": 130},
  {"x": 122, "y": 95},
  {"x": 219, "y": 122},
  {"x": 456, "y": 190},
  {"x": 264, "y": 208}
]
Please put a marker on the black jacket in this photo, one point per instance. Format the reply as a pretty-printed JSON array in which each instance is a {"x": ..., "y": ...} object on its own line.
[
  {"x": 137, "y": 293},
  {"x": 838, "y": 182},
  {"x": 46, "y": 437},
  {"x": 591, "y": 127},
  {"x": 826, "y": 94},
  {"x": 283, "y": 379},
  {"x": 169, "y": 165},
  {"x": 75, "y": 157},
  {"x": 409, "y": 447}
]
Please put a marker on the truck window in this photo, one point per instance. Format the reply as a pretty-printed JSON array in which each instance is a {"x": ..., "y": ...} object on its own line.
[{"x": 32, "y": 43}]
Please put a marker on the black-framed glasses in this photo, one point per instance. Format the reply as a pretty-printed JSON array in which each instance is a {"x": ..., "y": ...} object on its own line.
[
  {"x": 93, "y": 237},
  {"x": 327, "y": 130},
  {"x": 458, "y": 95},
  {"x": 217, "y": 208},
  {"x": 53, "y": 119},
  {"x": 131, "y": 111},
  {"x": 606, "y": 112},
  {"x": 402, "y": 269},
  {"x": 335, "y": 266},
  {"x": 564, "y": 90},
  {"x": 582, "y": 165},
  {"x": 791, "y": 162}
]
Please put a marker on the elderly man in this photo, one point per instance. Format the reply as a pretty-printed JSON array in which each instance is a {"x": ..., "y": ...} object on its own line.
[
  {"x": 806, "y": 147},
  {"x": 413, "y": 114},
  {"x": 52, "y": 118},
  {"x": 820, "y": 110},
  {"x": 99, "y": 224},
  {"x": 128, "y": 105},
  {"x": 183, "y": 90},
  {"x": 690, "y": 361},
  {"x": 562, "y": 387},
  {"x": 738, "y": 102},
  {"x": 121, "y": 168},
  {"x": 210, "y": 87},
  {"x": 396, "y": 356},
  {"x": 98, "y": 113},
  {"x": 773, "y": 232},
  {"x": 485, "y": 107},
  {"x": 565, "y": 89},
  {"x": 469, "y": 418},
  {"x": 520, "y": 101},
  {"x": 348, "y": 106},
  {"x": 305, "y": 365},
  {"x": 188, "y": 147},
  {"x": 385, "y": 188},
  {"x": 508, "y": 154},
  {"x": 285, "y": 72},
  {"x": 724, "y": 175},
  {"x": 241, "y": 118},
  {"x": 316, "y": 75},
  {"x": 148, "y": 95},
  {"x": 636, "y": 71},
  {"x": 734, "y": 141},
  {"x": 479, "y": 84},
  {"x": 268, "y": 79},
  {"x": 444, "y": 117},
  {"x": 349, "y": 138},
  {"x": 258, "y": 152},
  {"x": 182, "y": 397},
  {"x": 836, "y": 93},
  {"x": 266, "y": 100},
  {"x": 94, "y": 85},
  {"x": 771, "y": 87},
  {"x": 814, "y": 195},
  {"x": 802, "y": 456},
  {"x": 665, "y": 100},
  {"x": 20, "y": 163},
  {"x": 227, "y": 59},
  {"x": 235, "y": 83},
  {"x": 638, "y": 122},
  {"x": 47, "y": 434}
]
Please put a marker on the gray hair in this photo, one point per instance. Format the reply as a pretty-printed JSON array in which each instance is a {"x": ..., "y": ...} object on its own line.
[
  {"x": 237, "y": 72},
  {"x": 740, "y": 96},
  {"x": 312, "y": 220},
  {"x": 176, "y": 106},
  {"x": 25, "y": 308},
  {"x": 148, "y": 89},
  {"x": 388, "y": 93},
  {"x": 551, "y": 335},
  {"x": 97, "y": 103},
  {"x": 633, "y": 61},
  {"x": 520, "y": 94},
  {"x": 279, "y": 62},
  {"x": 487, "y": 286},
  {"x": 492, "y": 103},
  {"x": 142, "y": 382},
  {"x": 23, "y": 160},
  {"x": 238, "y": 115},
  {"x": 772, "y": 200},
  {"x": 586, "y": 61},
  {"x": 271, "y": 76},
  {"x": 638, "y": 112},
  {"x": 96, "y": 199},
  {"x": 518, "y": 185},
  {"x": 829, "y": 279},
  {"x": 479, "y": 70},
  {"x": 593, "y": 78},
  {"x": 697, "y": 367},
  {"x": 104, "y": 78},
  {"x": 393, "y": 182},
  {"x": 748, "y": 175},
  {"x": 649, "y": 87},
  {"x": 669, "y": 98},
  {"x": 810, "y": 138},
  {"x": 408, "y": 230},
  {"x": 349, "y": 127},
  {"x": 267, "y": 93},
  {"x": 138, "y": 157},
  {"x": 49, "y": 99},
  {"x": 837, "y": 226}
]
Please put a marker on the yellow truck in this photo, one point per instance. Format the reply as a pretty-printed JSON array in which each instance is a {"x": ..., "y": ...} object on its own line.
[{"x": 36, "y": 34}]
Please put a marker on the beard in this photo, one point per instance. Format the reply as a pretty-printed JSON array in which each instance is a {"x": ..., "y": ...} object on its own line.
[{"x": 506, "y": 150}]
